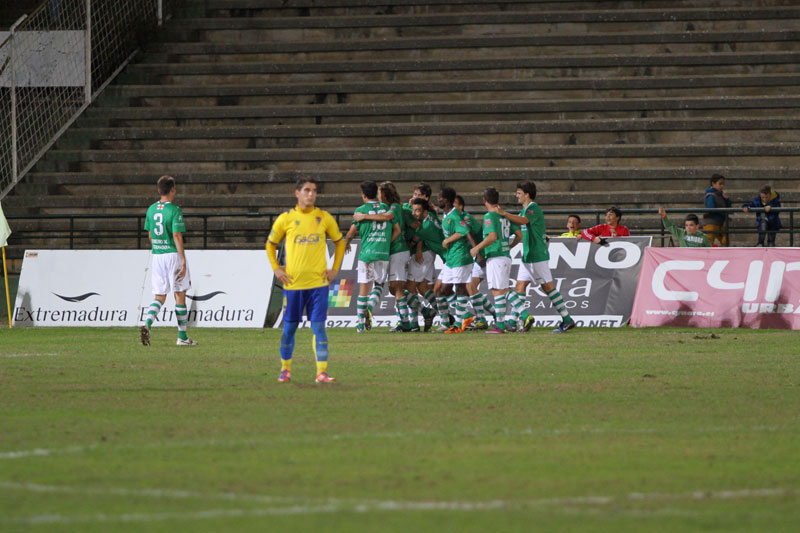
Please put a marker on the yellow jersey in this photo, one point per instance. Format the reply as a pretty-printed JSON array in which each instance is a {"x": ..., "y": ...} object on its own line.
[
  {"x": 305, "y": 233},
  {"x": 573, "y": 234}
]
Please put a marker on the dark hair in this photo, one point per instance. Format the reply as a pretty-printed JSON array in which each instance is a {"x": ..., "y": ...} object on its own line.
[
  {"x": 369, "y": 189},
  {"x": 460, "y": 199},
  {"x": 302, "y": 181},
  {"x": 421, "y": 201},
  {"x": 528, "y": 187},
  {"x": 715, "y": 178},
  {"x": 575, "y": 216},
  {"x": 424, "y": 189},
  {"x": 692, "y": 218},
  {"x": 389, "y": 193},
  {"x": 766, "y": 189},
  {"x": 165, "y": 185},
  {"x": 491, "y": 195},
  {"x": 616, "y": 211},
  {"x": 449, "y": 194}
]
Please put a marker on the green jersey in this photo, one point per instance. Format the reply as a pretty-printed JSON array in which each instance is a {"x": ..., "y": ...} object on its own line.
[
  {"x": 408, "y": 216},
  {"x": 475, "y": 228},
  {"x": 697, "y": 239},
  {"x": 534, "y": 245},
  {"x": 375, "y": 236},
  {"x": 458, "y": 252},
  {"x": 162, "y": 221},
  {"x": 399, "y": 244},
  {"x": 431, "y": 235},
  {"x": 494, "y": 223}
]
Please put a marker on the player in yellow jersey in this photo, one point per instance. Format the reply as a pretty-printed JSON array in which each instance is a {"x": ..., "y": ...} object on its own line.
[{"x": 305, "y": 275}]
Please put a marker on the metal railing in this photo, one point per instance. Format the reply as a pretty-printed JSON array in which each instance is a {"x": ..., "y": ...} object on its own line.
[
  {"x": 53, "y": 64},
  {"x": 200, "y": 234}
]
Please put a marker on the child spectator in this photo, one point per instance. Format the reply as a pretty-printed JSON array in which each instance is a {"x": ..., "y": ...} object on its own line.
[
  {"x": 690, "y": 236},
  {"x": 767, "y": 223},
  {"x": 612, "y": 228},
  {"x": 716, "y": 197},
  {"x": 573, "y": 227}
]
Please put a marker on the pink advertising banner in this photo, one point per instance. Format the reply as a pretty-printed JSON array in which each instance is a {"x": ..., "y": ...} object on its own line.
[{"x": 719, "y": 287}]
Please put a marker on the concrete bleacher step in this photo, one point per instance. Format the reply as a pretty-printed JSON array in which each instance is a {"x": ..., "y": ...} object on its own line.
[
  {"x": 485, "y": 45},
  {"x": 455, "y": 90},
  {"x": 768, "y": 129},
  {"x": 424, "y": 71},
  {"x": 463, "y": 20},
  {"x": 607, "y": 151},
  {"x": 686, "y": 178},
  {"x": 439, "y": 111},
  {"x": 255, "y": 203}
]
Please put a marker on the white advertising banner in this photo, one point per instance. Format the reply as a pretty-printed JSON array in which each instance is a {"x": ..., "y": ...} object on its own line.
[
  {"x": 112, "y": 288},
  {"x": 230, "y": 289}
]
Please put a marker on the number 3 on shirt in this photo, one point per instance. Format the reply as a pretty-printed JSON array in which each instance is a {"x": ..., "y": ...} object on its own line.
[{"x": 158, "y": 218}]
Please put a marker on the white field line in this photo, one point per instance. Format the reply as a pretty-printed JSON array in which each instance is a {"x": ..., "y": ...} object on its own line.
[
  {"x": 40, "y": 452},
  {"x": 298, "y": 506},
  {"x": 316, "y": 438}
]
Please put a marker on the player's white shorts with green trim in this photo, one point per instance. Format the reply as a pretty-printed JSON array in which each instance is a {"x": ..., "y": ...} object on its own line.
[
  {"x": 398, "y": 265},
  {"x": 537, "y": 273},
  {"x": 498, "y": 270},
  {"x": 456, "y": 275},
  {"x": 418, "y": 272},
  {"x": 165, "y": 268},
  {"x": 477, "y": 271},
  {"x": 376, "y": 271}
]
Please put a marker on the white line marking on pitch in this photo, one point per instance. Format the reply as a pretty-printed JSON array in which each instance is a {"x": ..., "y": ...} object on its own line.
[
  {"x": 39, "y": 452},
  {"x": 291, "y": 506}
]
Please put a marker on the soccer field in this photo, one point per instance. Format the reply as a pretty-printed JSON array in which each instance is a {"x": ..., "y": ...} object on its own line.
[{"x": 598, "y": 429}]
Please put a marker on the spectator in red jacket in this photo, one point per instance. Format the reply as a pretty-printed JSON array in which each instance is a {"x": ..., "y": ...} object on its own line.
[{"x": 612, "y": 228}]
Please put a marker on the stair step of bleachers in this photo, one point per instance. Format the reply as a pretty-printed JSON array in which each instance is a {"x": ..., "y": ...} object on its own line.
[{"x": 166, "y": 52}]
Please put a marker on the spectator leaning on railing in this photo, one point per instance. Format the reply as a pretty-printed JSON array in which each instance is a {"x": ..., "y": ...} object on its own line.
[
  {"x": 715, "y": 197},
  {"x": 612, "y": 228},
  {"x": 768, "y": 223}
]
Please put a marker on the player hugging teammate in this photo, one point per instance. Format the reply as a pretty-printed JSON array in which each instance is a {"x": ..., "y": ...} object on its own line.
[{"x": 400, "y": 245}]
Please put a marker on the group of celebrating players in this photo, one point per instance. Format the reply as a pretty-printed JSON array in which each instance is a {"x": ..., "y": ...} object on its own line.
[{"x": 399, "y": 244}]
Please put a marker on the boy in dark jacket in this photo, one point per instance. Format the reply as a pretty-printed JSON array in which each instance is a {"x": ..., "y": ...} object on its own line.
[
  {"x": 716, "y": 197},
  {"x": 768, "y": 223}
]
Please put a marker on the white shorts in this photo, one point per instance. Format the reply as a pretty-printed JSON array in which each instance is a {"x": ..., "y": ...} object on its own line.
[
  {"x": 375, "y": 271},
  {"x": 497, "y": 272},
  {"x": 398, "y": 263},
  {"x": 418, "y": 272},
  {"x": 538, "y": 272},
  {"x": 457, "y": 275},
  {"x": 477, "y": 271},
  {"x": 165, "y": 268}
]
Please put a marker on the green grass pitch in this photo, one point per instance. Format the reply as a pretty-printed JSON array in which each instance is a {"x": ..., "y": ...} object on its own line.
[{"x": 596, "y": 430}]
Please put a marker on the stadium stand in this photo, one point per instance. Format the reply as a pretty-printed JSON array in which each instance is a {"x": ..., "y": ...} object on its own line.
[{"x": 631, "y": 103}]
